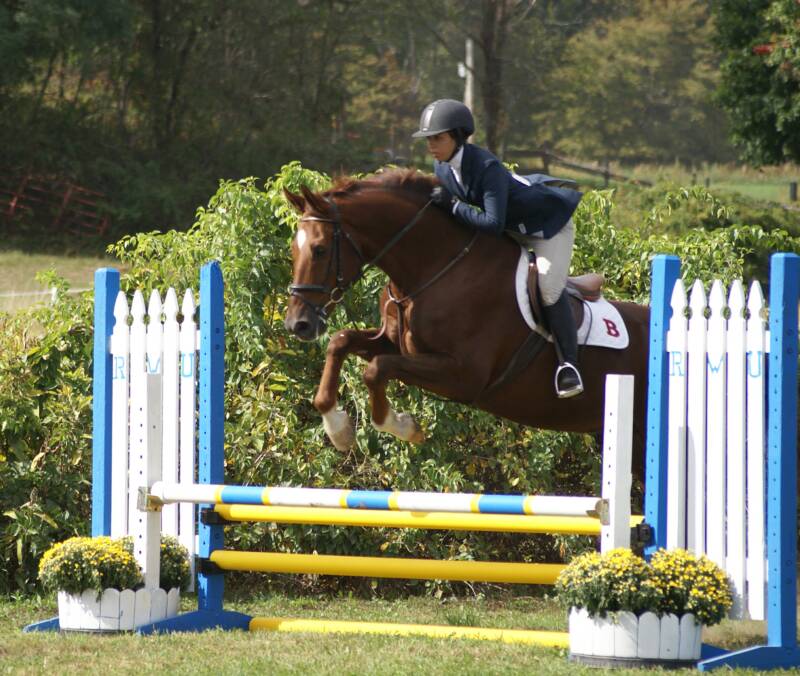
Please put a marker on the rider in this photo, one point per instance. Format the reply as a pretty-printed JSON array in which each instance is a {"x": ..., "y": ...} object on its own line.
[{"x": 536, "y": 214}]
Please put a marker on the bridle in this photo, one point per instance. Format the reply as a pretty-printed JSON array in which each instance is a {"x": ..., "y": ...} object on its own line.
[{"x": 336, "y": 293}]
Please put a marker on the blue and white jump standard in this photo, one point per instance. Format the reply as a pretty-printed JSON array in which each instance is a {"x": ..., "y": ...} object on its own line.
[{"x": 716, "y": 445}]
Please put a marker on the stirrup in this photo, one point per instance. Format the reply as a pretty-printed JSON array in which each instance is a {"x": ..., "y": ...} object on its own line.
[{"x": 575, "y": 389}]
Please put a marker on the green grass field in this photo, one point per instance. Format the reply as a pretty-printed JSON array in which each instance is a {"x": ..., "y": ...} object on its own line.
[
  {"x": 18, "y": 275},
  {"x": 767, "y": 183},
  {"x": 283, "y": 653}
]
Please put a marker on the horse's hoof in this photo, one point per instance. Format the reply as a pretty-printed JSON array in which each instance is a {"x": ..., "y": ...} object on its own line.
[
  {"x": 413, "y": 432},
  {"x": 340, "y": 429},
  {"x": 403, "y": 426}
]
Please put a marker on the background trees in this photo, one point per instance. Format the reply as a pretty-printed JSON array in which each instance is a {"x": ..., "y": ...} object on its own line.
[
  {"x": 760, "y": 80},
  {"x": 153, "y": 101},
  {"x": 640, "y": 88}
]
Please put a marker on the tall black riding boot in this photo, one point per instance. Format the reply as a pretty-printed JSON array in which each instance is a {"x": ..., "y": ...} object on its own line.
[{"x": 568, "y": 380}]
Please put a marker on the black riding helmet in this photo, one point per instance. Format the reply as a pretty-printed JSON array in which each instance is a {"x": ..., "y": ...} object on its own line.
[{"x": 445, "y": 115}]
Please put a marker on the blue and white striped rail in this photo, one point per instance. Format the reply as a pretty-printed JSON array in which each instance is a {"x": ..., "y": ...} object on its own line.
[{"x": 475, "y": 503}]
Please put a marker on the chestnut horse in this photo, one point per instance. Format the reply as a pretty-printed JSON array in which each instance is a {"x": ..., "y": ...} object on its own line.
[{"x": 455, "y": 324}]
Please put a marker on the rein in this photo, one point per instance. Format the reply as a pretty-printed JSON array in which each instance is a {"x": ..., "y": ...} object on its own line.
[{"x": 399, "y": 301}]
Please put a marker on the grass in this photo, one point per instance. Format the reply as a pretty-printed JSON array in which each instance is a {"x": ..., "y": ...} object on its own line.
[
  {"x": 260, "y": 652},
  {"x": 18, "y": 271},
  {"x": 765, "y": 183}
]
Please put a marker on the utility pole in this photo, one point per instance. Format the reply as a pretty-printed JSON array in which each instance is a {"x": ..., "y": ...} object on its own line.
[{"x": 469, "y": 78}]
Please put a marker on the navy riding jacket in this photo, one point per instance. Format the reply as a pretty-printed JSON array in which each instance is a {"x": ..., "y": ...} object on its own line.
[{"x": 538, "y": 209}]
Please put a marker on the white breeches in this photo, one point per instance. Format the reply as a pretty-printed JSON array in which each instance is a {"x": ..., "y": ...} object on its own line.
[{"x": 553, "y": 257}]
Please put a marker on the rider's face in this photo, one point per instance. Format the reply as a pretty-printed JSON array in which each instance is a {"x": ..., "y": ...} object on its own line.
[{"x": 441, "y": 146}]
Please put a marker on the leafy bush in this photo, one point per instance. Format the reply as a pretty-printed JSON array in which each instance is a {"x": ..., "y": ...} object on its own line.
[
  {"x": 45, "y": 433},
  {"x": 273, "y": 435},
  {"x": 173, "y": 563}
]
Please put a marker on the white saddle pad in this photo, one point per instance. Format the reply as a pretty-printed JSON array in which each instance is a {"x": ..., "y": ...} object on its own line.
[{"x": 602, "y": 324}]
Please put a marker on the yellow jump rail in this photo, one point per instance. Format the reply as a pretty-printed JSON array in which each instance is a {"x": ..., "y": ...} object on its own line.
[
  {"x": 387, "y": 567},
  {"x": 506, "y": 523},
  {"x": 550, "y": 639}
]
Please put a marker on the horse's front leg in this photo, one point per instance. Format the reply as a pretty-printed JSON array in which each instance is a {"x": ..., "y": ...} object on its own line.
[
  {"x": 430, "y": 371},
  {"x": 336, "y": 422}
]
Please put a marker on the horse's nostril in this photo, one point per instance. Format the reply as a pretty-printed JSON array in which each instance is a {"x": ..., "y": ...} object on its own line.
[{"x": 302, "y": 328}]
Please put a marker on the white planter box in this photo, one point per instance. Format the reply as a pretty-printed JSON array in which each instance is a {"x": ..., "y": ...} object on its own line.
[
  {"x": 115, "y": 610},
  {"x": 625, "y": 638}
]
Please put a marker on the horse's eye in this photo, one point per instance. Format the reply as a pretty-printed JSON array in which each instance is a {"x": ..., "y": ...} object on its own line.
[{"x": 318, "y": 252}]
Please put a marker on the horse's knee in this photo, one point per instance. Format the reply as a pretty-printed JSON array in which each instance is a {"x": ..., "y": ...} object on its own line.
[
  {"x": 339, "y": 345},
  {"x": 374, "y": 375},
  {"x": 325, "y": 401}
]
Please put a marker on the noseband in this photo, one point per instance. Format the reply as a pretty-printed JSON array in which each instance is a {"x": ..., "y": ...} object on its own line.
[{"x": 336, "y": 293}]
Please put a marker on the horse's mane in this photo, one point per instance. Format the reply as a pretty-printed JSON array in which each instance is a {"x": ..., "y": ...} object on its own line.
[{"x": 393, "y": 180}]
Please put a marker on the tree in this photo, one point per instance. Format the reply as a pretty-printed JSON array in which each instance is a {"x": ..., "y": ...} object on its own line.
[
  {"x": 43, "y": 39},
  {"x": 518, "y": 42},
  {"x": 639, "y": 88},
  {"x": 760, "y": 86}
]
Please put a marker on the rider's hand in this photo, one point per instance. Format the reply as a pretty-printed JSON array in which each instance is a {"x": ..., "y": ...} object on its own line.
[{"x": 442, "y": 198}]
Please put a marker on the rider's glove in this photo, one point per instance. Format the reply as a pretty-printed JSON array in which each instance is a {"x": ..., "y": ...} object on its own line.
[{"x": 442, "y": 198}]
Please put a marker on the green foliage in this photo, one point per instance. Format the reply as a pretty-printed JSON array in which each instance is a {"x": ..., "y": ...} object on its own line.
[
  {"x": 719, "y": 247},
  {"x": 273, "y": 435},
  {"x": 83, "y": 563},
  {"x": 759, "y": 77},
  {"x": 649, "y": 100},
  {"x": 45, "y": 433},
  {"x": 173, "y": 563}
]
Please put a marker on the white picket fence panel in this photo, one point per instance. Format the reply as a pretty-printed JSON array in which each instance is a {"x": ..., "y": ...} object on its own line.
[
  {"x": 716, "y": 438},
  {"x": 154, "y": 359}
]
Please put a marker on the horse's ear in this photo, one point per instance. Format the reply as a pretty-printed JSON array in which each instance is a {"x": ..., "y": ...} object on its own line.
[
  {"x": 313, "y": 200},
  {"x": 297, "y": 201}
]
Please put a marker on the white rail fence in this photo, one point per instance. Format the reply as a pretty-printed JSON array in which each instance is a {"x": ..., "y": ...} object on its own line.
[
  {"x": 717, "y": 346},
  {"x": 154, "y": 396}
]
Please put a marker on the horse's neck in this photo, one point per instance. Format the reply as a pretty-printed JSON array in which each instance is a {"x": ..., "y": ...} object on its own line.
[
  {"x": 424, "y": 250},
  {"x": 429, "y": 246}
]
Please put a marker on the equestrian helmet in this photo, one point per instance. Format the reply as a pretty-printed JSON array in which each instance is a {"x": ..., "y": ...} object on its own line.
[{"x": 445, "y": 115}]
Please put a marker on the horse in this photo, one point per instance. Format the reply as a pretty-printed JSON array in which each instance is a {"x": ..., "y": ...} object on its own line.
[{"x": 450, "y": 320}]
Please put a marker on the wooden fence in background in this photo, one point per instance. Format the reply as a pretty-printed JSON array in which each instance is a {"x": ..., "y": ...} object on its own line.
[
  {"x": 548, "y": 157},
  {"x": 67, "y": 207}
]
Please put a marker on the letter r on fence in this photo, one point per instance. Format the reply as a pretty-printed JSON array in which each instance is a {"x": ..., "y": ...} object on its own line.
[
  {"x": 118, "y": 372},
  {"x": 676, "y": 364}
]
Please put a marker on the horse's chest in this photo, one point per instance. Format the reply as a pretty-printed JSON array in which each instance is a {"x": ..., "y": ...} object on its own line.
[
  {"x": 413, "y": 345},
  {"x": 422, "y": 331}
]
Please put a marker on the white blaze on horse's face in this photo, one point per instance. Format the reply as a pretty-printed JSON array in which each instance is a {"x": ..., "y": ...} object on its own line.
[
  {"x": 301, "y": 237},
  {"x": 311, "y": 266}
]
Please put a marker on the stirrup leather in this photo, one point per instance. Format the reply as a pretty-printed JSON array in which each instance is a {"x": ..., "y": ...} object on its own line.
[{"x": 575, "y": 389}]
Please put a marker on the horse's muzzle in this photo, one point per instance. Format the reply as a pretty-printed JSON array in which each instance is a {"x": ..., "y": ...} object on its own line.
[{"x": 305, "y": 327}]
